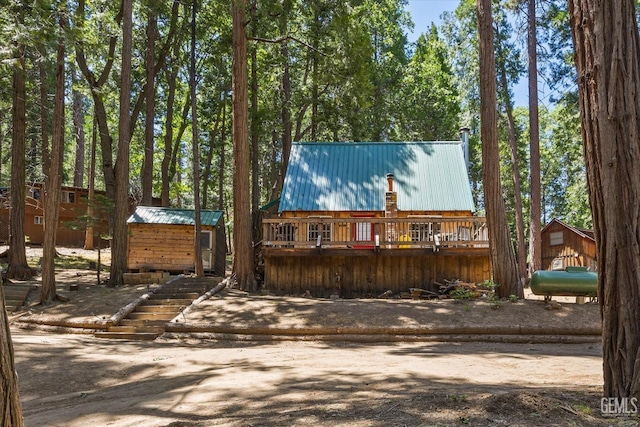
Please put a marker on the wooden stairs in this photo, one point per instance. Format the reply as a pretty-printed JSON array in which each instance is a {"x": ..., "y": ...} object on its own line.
[
  {"x": 15, "y": 295},
  {"x": 147, "y": 321}
]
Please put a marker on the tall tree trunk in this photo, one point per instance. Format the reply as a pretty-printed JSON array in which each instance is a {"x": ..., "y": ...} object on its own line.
[
  {"x": 223, "y": 158},
  {"x": 119, "y": 248},
  {"x": 18, "y": 268},
  {"x": 44, "y": 115},
  {"x": 314, "y": 72},
  {"x": 96, "y": 84},
  {"x": 10, "y": 406},
  {"x": 91, "y": 223},
  {"x": 535, "y": 238},
  {"x": 150, "y": 98},
  {"x": 1, "y": 141},
  {"x": 521, "y": 256},
  {"x": 285, "y": 111},
  {"x": 607, "y": 57},
  {"x": 199, "y": 270},
  {"x": 168, "y": 136},
  {"x": 53, "y": 182},
  {"x": 213, "y": 135},
  {"x": 503, "y": 262},
  {"x": 255, "y": 127},
  {"x": 243, "y": 260},
  {"x": 78, "y": 133}
]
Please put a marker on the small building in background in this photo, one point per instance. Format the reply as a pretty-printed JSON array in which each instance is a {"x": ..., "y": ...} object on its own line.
[
  {"x": 162, "y": 239},
  {"x": 566, "y": 246},
  {"x": 71, "y": 216}
]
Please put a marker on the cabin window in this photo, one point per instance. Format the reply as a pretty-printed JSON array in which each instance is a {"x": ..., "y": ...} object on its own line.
[
  {"x": 319, "y": 229},
  {"x": 556, "y": 238},
  {"x": 68, "y": 197},
  {"x": 34, "y": 193},
  {"x": 421, "y": 232},
  {"x": 39, "y": 220}
]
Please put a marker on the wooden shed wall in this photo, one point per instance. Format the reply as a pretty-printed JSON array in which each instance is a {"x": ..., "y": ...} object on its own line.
[
  {"x": 370, "y": 275},
  {"x": 572, "y": 244},
  {"x": 163, "y": 247}
]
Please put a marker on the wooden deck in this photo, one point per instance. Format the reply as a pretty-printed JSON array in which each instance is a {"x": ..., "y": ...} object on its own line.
[{"x": 354, "y": 257}]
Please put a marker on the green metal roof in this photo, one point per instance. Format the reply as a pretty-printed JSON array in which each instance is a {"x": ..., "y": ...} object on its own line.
[
  {"x": 173, "y": 216},
  {"x": 351, "y": 176}
]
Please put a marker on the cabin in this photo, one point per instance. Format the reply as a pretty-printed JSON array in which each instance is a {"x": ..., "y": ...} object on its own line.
[
  {"x": 363, "y": 218},
  {"x": 566, "y": 246},
  {"x": 162, "y": 239},
  {"x": 73, "y": 206}
]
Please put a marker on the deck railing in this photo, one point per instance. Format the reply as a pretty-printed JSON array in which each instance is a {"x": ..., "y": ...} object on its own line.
[{"x": 371, "y": 233}]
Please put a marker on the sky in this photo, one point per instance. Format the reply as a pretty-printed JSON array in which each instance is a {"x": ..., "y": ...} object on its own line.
[{"x": 424, "y": 12}]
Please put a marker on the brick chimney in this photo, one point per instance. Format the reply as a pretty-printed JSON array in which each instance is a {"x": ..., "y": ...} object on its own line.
[{"x": 391, "y": 208}]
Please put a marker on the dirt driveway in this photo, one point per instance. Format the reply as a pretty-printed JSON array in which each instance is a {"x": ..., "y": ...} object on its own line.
[{"x": 75, "y": 380}]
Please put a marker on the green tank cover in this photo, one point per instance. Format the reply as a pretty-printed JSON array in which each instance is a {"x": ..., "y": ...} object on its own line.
[{"x": 573, "y": 281}]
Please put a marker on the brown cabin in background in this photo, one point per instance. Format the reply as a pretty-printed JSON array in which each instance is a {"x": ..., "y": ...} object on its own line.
[
  {"x": 73, "y": 205},
  {"x": 162, "y": 239},
  {"x": 566, "y": 246},
  {"x": 362, "y": 218}
]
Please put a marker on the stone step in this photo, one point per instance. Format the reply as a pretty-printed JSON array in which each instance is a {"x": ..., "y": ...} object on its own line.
[
  {"x": 137, "y": 329},
  {"x": 159, "y": 308},
  {"x": 180, "y": 295},
  {"x": 141, "y": 323},
  {"x": 152, "y": 316},
  {"x": 182, "y": 289},
  {"x": 140, "y": 336},
  {"x": 167, "y": 301}
]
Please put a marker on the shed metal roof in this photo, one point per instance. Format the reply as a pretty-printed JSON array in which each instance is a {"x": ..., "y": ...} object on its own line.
[
  {"x": 173, "y": 216},
  {"x": 351, "y": 176}
]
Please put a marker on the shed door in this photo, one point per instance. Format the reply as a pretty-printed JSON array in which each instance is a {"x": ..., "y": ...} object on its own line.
[{"x": 205, "y": 244}]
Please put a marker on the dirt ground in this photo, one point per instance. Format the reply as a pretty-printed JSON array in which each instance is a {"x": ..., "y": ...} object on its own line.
[{"x": 210, "y": 379}]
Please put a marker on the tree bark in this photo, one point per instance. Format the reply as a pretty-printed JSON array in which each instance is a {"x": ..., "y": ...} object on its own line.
[
  {"x": 91, "y": 223},
  {"x": 535, "y": 238},
  {"x": 223, "y": 158},
  {"x": 172, "y": 76},
  {"x": 521, "y": 257},
  {"x": 285, "y": 112},
  {"x": 53, "y": 182},
  {"x": 199, "y": 270},
  {"x": 255, "y": 125},
  {"x": 78, "y": 133},
  {"x": 607, "y": 57},
  {"x": 119, "y": 247},
  {"x": 243, "y": 260},
  {"x": 213, "y": 135},
  {"x": 10, "y": 406},
  {"x": 18, "y": 267},
  {"x": 150, "y": 98},
  {"x": 503, "y": 263},
  {"x": 44, "y": 115}
]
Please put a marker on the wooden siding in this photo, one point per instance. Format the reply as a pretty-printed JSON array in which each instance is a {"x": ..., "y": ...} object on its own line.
[
  {"x": 364, "y": 273},
  {"x": 74, "y": 207},
  {"x": 575, "y": 250},
  {"x": 169, "y": 247}
]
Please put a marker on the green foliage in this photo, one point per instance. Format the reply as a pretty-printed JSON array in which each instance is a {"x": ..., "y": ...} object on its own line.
[
  {"x": 462, "y": 294},
  {"x": 353, "y": 76}
]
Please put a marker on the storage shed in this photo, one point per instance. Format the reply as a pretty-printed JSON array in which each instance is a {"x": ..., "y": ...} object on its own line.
[
  {"x": 566, "y": 246},
  {"x": 162, "y": 239}
]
